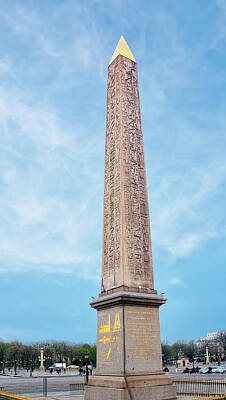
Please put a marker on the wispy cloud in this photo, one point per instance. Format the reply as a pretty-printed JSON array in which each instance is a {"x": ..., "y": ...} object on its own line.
[
  {"x": 185, "y": 144},
  {"x": 175, "y": 281},
  {"x": 53, "y": 70},
  {"x": 185, "y": 216},
  {"x": 52, "y": 101},
  {"x": 45, "y": 207}
]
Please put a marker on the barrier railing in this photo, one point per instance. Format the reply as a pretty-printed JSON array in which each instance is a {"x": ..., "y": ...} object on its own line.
[
  {"x": 77, "y": 387},
  {"x": 206, "y": 397},
  {"x": 193, "y": 387}
]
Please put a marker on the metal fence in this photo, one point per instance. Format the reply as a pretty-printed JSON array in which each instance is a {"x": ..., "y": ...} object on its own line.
[
  {"x": 189, "y": 387},
  {"x": 207, "y": 397},
  {"x": 77, "y": 387}
]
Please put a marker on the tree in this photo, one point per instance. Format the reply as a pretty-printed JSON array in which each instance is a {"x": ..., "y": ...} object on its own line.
[
  {"x": 92, "y": 355},
  {"x": 168, "y": 353}
]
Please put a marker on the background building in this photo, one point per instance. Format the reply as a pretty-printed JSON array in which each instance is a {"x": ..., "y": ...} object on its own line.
[{"x": 216, "y": 343}]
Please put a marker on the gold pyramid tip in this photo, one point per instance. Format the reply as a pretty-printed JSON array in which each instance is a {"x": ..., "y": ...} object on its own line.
[{"x": 123, "y": 49}]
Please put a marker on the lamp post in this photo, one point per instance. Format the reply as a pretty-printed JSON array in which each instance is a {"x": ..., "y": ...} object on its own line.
[
  {"x": 31, "y": 367},
  {"x": 15, "y": 361},
  {"x": 207, "y": 355},
  {"x": 80, "y": 366},
  {"x": 218, "y": 354},
  {"x": 42, "y": 359},
  {"x": 48, "y": 361},
  {"x": 7, "y": 365},
  {"x": 87, "y": 371},
  {"x": 3, "y": 367}
]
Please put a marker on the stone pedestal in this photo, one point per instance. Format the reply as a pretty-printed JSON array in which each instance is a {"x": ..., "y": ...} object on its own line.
[
  {"x": 129, "y": 364},
  {"x": 145, "y": 387}
]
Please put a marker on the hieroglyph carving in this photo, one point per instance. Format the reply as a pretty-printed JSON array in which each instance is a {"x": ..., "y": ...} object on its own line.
[{"x": 127, "y": 257}]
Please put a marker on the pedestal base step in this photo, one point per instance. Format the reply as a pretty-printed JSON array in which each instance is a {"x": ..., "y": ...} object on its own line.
[{"x": 144, "y": 387}]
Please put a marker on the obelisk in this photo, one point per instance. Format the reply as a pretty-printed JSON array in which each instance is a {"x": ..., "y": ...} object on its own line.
[{"x": 129, "y": 360}]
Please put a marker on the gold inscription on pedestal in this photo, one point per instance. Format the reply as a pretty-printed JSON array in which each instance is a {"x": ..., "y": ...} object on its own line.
[
  {"x": 117, "y": 323},
  {"x": 111, "y": 329},
  {"x": 142, "y": 328},
  {"x": 110, "y": 339},
  {"x": 105, "y": 325}
]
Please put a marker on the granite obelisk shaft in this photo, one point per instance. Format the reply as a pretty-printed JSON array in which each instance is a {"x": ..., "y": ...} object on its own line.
[
  {"x": 127, "y": 256},
  {"x": 129, "y": 360}
]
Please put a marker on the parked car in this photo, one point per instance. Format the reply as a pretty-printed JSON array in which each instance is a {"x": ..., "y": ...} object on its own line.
[
  {"x": 89, "y": 367},
  {"x": 60, "y": 365},
  {"x": 206, "y": 370},
  {"x": 219, "y": 370}
]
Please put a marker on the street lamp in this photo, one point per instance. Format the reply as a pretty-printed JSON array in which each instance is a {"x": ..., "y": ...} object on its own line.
[
  {"x": 87, "y": 371},
  {"x": 15, "y": 361},
  {"x": 41, "y": 358},
  {"x": 3, "y": 367},
  {"x": 48, "y": 362},
  {"x": 7, "y": 365},
  {"x": 31, "y": 367},
  {"x": 218, "y": 355},
  {"x": 207, "y": 355}
]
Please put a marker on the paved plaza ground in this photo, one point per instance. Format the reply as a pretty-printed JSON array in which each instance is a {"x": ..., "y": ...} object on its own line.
[
  {"x": 33, "y": 386},
  {"x": 58, "y": 387}
]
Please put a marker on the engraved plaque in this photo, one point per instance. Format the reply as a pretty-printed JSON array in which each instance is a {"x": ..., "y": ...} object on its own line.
[
  {"x": 142, "y": 336},
  {"x": 109, "y": 340}
]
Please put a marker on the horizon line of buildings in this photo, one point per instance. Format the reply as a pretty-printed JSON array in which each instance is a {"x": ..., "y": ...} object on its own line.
[{"x": 212, "y": 336}]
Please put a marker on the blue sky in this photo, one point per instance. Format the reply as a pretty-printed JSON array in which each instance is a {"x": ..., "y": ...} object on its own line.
[{"x": 53, "y": 72}]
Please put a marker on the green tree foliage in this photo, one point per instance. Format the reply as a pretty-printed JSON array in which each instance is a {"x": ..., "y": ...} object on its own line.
[
  {"x": 168, "y": 353},
  {"x": 75, "y": 354},
  {"x": 180, "y": 348},
  {"x": 29, "y": 355}
]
